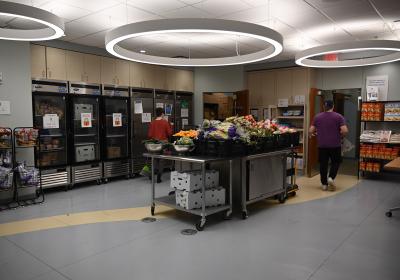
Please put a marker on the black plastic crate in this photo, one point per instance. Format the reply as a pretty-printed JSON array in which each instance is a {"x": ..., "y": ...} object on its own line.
[{"x": 295, "y": 139}]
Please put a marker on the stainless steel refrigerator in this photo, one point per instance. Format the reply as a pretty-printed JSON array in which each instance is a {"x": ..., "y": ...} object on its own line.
[
  {"x": 142, "y": 112},
  {"x": 85, "y": 132},
  {"x": 115, "y": 136},
  {"x": 165, "y": 99},
  {"x": 49, "y": 116},
  {"x": 183, "y": 110}
]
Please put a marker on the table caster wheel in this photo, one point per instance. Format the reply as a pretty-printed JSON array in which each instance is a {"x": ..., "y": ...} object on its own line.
[
  {"x": 388, "y": 214},
  {"x": 171, "y": 193},
  {"x": 152, "y": 210},
  {"x": 244, "y": 215},
  {"x": 282, "y": 198},
  {"x": 105, "y": 180},
  {"x": 228, "y": 215},
  {"x": 98, "y": 182},
  {"x": 200, "y": 226}
]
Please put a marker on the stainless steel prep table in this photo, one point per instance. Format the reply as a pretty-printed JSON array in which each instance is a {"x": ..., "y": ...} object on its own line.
[
  {"x": 169, "y": 200},
  {"x": 263, "y": 176}
]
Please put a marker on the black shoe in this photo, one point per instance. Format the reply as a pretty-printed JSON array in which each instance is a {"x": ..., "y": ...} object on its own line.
[{"x": 159, "y": 178}]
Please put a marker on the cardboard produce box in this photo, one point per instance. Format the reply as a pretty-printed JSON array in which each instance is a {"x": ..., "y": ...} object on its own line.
[
  {"x": 394, "y": 165},
  {"x": 194, "y": 200},
  {"x": 113, "y": 152},
  {"x": 192, "y": 181}
]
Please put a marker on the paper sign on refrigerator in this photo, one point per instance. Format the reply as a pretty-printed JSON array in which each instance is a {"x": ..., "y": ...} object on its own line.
[
  {"x": 184, "y": 113},
  {"x": 185, "y": 122},
  {"x": 51, "y": 121},
  {"x": 86, "y": 119},
  {"x": 138, "y": 108},
  {"x": 146, "y": 117},
  {"x": 168, "y": 109},
  {"x": 117, "y": 119},
  {"x": 159, "y": 105}
]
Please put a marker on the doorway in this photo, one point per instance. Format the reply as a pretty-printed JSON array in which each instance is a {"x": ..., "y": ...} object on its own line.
[
  {"x": 346, "y": 103},
  {"x": 221, "y": 105}
]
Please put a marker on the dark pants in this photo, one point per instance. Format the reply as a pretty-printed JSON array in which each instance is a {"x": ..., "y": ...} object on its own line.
[{"x": 335, "y": 155}]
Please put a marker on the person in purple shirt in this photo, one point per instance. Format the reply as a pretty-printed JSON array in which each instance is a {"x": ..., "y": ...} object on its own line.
[{"x": 329, "y": 127}]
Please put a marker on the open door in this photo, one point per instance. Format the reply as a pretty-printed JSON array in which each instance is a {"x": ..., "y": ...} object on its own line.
[
  {"x": 316, "y": 106},
  {"x": 241, "y": 105},
  {"x": 338, "y": 101}
]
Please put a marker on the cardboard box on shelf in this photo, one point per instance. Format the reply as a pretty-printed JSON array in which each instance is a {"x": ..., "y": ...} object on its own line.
[
  {"x": 113, "y": 152},
  {"x": 194, "y": 200},
  {"x": 192, "y": 180}
]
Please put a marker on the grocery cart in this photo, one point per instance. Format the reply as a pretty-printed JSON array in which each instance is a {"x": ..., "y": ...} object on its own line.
[{"x": 27, "y": 179}]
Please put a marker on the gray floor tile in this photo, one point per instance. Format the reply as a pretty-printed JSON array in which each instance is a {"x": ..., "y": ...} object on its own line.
[
  {"x": 53, "y": 275},
  {"x": 63, "y": 246}
]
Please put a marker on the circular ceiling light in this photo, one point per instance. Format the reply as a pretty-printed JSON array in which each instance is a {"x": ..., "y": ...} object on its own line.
[
  {"x": 216, "y": 26},
  {"x": 54, "y": 29},
  {"x": 371, "y": 52}
]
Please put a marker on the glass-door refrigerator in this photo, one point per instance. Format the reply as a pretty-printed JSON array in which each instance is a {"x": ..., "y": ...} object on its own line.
[
  {"x": 142, "y": 112},
  {"x": 85, "y": 147},
  {"x": 115, "y": 136},
  {"x": 183, "y": 110},
  {"x": 49, "y": 116}
]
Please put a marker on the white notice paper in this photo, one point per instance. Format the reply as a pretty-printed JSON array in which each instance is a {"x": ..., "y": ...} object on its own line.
[
  {"x": 117, "y": 119},
  {"x": 381, "y": 82},
  {"x": 299, "y": 99},
  {"x": 283, "y": 102},
  {"x": 51, "y": 121},
  {"x": 160, "y": 105},
  {"x": 146, "y": 117},
  {"x": 185, "y": 122},
  {"x": 138, "y": 109},
  {"x": 5, "y": 107},
  {"x": 372, "y": 93},
  {"x": 184, "y": 113},
  {"x": 86, "y": 119}
]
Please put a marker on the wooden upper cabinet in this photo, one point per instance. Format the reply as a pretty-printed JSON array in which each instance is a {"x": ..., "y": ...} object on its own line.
[
  {"x": 301, "y": 84},
  {"x": 170, "y": 78},
  {"x": 38, "y": 61},
  {"x": 75, "y": 66},
  {"x": 284, "y": 88},
  {"x": 92, "y": 68},
  {"x": 108, "y": 70},
  {"x": 254, "y": 87},
  {"x": 159, "y": 77},
  {"x": 136, "y": 74},
  {"x": 268, "y": 89},
  {"x": 184, "y": 80},
  {"x": 122, "y": 72},
  {"x": 56, "y": 64}
]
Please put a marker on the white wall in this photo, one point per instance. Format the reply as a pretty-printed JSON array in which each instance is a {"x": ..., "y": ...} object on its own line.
[
  {"x": 343, "y": 78},
  {"x": 16, "y": 87},
  {"x": 215, "y": 79}
]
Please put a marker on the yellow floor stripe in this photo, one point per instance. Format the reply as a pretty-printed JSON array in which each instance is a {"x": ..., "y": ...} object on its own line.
[{"x": 309, "y": 190}]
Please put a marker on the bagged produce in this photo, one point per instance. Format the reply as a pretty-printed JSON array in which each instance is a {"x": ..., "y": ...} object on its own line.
[
  {"x": 28, "y": 176},
  {"x": 6, "y": 177}
]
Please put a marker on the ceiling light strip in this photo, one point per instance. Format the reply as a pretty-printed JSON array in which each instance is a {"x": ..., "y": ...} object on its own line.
[
  {"x": 54, "y": 29},
  {"x": 218, "y": 26},
  {"x": 304, "y": 58}
]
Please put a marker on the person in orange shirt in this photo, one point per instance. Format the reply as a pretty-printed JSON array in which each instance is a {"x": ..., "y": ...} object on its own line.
[{"x": 161, "y": 130}]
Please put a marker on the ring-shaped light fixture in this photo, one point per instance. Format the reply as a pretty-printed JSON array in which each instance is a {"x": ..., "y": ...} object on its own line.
[
  {"x": 54, "y": 29},
  {"x": 218, "y": 26},
  {"x": 303, "y": 58}
]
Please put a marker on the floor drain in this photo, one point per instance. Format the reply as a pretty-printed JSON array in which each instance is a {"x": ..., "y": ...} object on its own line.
[
  {"x": 189, "y": 231},
  {"x": 148, "y": 220}
]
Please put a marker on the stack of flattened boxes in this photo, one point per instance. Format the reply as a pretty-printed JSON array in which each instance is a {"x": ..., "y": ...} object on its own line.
[{"x": 188, "y": 185}]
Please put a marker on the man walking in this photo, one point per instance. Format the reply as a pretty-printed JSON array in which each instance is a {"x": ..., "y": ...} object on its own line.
[{"x": 329, "y": 127}]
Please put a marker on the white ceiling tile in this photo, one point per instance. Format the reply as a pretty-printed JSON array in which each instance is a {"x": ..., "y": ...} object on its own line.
[
  {"x": 390, "y": 9},
  {"x": 255, "y": 3},
  {"x": 157, "y": 6},
  {"x": 91, "y": 5},
  {"x": 249, "y": 15},
  {"x": 187, "y": 12},
  {"x": 96, "y": 40},
  {"x": 35, "y": 3},
  {"x": 218, "y": 8},
  {"x": 64, "y": 10},
  {"x": 191, "y": 2},
  {"x": 122, "y": 11}
]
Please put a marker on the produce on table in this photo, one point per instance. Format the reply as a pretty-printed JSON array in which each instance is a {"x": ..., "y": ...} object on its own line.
[
  {"x": 187, "y": 133},
  {"x": 186, "y": 141}
]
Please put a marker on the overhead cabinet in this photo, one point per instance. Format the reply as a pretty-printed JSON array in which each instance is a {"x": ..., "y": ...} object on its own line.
[
  {"x": 38, "y": 62},
  {"x": 56, "y": 64},
  {"x": 114, "y": 71}
]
